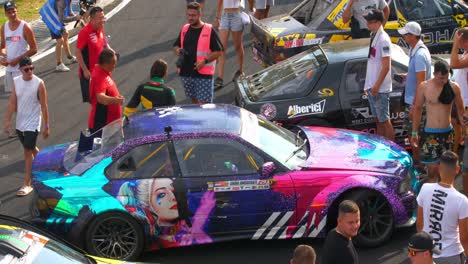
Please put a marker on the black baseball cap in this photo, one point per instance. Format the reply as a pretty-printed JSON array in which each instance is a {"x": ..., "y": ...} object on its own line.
[
  {"x": 25, "y": 61},
  {"x": 9, "y": 5},
  {"x": 422, "y": 241},
  {"x": 375, "y": 14}
]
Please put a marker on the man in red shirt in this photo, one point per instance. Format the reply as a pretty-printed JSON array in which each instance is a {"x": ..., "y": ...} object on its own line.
[
  {"x": 91, "y": 41},
  {"x": 106, "y": 101}
]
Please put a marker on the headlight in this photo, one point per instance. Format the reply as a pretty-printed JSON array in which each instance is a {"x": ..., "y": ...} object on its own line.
[{"x": 405, "y": 185}]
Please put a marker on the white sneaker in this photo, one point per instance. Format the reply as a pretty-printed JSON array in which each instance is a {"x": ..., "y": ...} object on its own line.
[
  {"x": 72, "y": 60},
  {"x": 62, "y": 68}
]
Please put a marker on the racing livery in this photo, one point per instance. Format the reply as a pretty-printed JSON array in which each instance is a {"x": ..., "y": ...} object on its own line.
[
  {"x": 318, "y": 22},
  {"x": 323, "y": 86},
  {"x": 189, "y": 175}
]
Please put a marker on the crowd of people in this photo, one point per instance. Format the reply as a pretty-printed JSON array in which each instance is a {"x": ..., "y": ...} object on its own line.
[{"x": 442, "y": 217}]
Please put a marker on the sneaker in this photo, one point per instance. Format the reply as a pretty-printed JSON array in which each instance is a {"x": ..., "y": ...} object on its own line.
[
  {"x": 237, "y": 75},
  {"x": 72, "y": 59},
  {"x": 218, "y": 83},
  {"x": 62, "y": 68}
]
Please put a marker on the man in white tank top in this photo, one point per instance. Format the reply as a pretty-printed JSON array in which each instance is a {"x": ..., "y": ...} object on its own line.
[
  {"x": 460, "y": 41},
  {"x": 17, "y": 41},
  {"x": 29, "y": 99}
]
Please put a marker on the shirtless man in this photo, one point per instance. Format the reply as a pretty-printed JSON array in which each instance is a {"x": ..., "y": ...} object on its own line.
[{"x": 438, "y": 94}]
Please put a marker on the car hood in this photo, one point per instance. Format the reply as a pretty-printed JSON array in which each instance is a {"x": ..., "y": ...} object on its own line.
[
  {"x": 332, "y": 148},
  {"x": 51, "y": 158}
]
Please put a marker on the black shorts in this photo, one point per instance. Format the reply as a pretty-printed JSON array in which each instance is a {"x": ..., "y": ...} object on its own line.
[
  {"x": 54, "y": 36},
  {"x": 28, "y": 138},
  {"x": 84, "y": 83}
]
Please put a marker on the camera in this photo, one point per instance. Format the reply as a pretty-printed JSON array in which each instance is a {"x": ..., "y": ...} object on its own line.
[{"x": 181, "y": 59}]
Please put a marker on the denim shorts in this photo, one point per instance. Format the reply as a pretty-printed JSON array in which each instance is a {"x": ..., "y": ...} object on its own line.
[
  {"x": 200, "y": 88},
  {"x": 231, "y": 21},
  {"x": 380, "y": 106},
  {"x": 261, "y": 4}
]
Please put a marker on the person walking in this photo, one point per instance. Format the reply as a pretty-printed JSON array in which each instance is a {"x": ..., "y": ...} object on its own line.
[
  {"x": 378, "y": 85},
  {"x": 17, "y": 41},
  {"x": 438, "y": 96},
  {"x": 229, "y": 21},
  {"x": 443, "y": 213},
  {"x": 29, "y": 100},
  {"x": 339, "y": 239},
  {"x": 419, "y": 70},
  {"x": 461, "y": 77},
  {"x": 262, "y": 8},
  {"x": 303, "y": 254},
  {"x": 355, "y": 12},
  {"x": 91, "y": 41},
  {"x": 106, "y": 101},
  {"x": 421, "y": 248},
  {"x": 198, "y": 46},
  {"x": 153, "y": 93}
]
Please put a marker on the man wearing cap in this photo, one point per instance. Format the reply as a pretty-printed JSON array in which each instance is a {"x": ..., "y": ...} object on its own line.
[
  {"x": 420, "y": 248},
  {"x": 443, "y": 213},
  {"x": 419, "y": 70},
  {"x": 356, "y": 10},
  {"x": 378, "y": 83},
  {"x": 29, "y": 99},
  {"x": 17, "y": 41}
]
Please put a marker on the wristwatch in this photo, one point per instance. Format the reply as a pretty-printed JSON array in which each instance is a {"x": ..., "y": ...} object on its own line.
[{"x": 206, "y": 61}]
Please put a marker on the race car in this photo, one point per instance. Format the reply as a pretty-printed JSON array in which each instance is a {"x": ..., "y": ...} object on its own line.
[
  {"x": 20, "y": 242},
  {"x": 320, "y": 21},
  {"x": 198, "y": 174},
  {"x": 323, "y": 86}
]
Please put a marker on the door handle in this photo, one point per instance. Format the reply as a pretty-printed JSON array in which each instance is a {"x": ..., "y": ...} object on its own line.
[{"x": 225, "y": 204}]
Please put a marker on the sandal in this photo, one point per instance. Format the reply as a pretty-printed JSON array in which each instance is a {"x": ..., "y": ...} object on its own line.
[
  {"x": 218, "y": 83},
  {"x": 25, "y": 190}
]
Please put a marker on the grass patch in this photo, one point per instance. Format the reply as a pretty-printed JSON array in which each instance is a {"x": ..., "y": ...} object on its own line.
[{"x": 27, "y": 10}]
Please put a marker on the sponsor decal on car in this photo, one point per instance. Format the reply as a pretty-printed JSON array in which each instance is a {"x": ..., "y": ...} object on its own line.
[
  {"x": 235, "y": 186},
  {"x": 326, "y": 92},
  {"x": 303, "y": 110},
  {"x": 302, "y": 42},
  {"x": 268, "y": 111}
]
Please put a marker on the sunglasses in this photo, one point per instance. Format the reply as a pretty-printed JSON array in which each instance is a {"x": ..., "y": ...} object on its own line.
[
  {"x": 413, "y": 252},
  {"x": 28, "y": 69}
]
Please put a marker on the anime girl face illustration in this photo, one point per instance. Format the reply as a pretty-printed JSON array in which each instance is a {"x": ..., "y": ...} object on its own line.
[{"x": 163, "y": 202}]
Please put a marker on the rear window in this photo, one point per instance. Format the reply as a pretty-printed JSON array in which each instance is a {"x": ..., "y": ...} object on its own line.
[{"x": 291, "y": 78}]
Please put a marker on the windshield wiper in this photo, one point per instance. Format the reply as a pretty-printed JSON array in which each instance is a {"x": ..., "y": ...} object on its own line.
[{"x": 296, "y": 150}]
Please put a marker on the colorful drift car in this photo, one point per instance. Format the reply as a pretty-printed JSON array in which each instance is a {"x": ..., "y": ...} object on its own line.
[
  {"x": 20, "y": 242},
  {"x": 320, "y": 21},
  {"x": 194, "y": 174},
  {"x": 323, "y": 86}
]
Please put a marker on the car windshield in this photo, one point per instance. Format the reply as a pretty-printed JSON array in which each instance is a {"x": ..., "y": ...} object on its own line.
[
  {"x": 308, "y": 10},
  {"x": 274, "y": 140},
  {"x": 291, "y": 78},
  {"x": 78, "y": 162},
  {"x": 34, "y": 248}
]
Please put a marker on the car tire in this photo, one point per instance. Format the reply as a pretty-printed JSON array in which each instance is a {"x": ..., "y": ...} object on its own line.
[
  {"x": 377, "y": 220},
  {"x": 108, "y": 229}
]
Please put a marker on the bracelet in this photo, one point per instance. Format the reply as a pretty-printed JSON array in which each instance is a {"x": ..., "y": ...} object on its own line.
[{"x": 414, "y": 133}]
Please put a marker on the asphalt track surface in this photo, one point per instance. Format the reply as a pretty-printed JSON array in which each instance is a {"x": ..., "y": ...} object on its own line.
[{"x": 142, "y": 32}]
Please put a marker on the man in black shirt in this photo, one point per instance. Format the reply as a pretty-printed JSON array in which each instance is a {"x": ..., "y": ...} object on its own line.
[
  {"x": 338, "y": 246},
  {"x": 153, "y": 93},
  {"x": 198, "y": 46}
]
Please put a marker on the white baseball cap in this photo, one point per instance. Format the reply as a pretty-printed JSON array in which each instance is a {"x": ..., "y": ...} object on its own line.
[{"x": 412, "y": 28}]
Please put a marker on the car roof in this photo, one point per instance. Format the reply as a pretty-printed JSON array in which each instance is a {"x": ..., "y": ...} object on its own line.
[
  {"x": 346, "y": 50},
  {"x": 185, "y": 119}
]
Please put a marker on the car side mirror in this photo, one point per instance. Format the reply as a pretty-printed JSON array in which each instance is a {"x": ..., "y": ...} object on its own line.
[
  {"x": 128, "y": 165},
  {"x": 268, "y": 168},
  {"x": 419, "y": 4}
]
